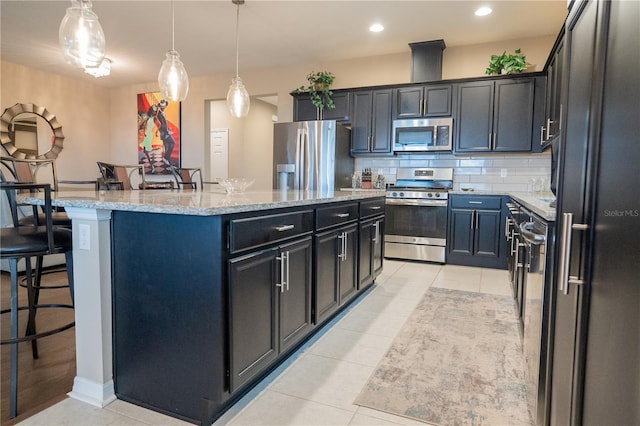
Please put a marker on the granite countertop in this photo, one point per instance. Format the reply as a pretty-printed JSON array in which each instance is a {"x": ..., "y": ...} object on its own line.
[
  {"x": 536, "y": 203},
  {"x": 197, "y": 203}
]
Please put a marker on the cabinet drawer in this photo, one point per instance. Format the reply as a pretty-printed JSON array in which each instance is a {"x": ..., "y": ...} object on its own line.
[
  {"x": 256, "y": 231},
  {"x": 371, "y": 208},
  {"x": 335, "y": 215},
  {"x": 476, "y": 202}
]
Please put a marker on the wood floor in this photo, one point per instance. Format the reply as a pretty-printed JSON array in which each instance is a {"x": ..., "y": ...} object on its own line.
[{"x": 44, "y": 381}]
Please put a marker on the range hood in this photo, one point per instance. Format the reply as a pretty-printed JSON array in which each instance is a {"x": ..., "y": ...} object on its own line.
[{"x": 426, "y": 60}]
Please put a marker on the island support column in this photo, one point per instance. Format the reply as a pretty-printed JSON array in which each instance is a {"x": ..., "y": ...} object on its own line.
[{"x": 92, "y": 299}]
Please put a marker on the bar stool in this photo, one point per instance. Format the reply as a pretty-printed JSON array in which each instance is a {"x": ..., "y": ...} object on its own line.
[{"x": 24, "y": 241}]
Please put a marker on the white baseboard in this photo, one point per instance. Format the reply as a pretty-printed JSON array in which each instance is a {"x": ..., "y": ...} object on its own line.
[{"x": 94, "y": 393}]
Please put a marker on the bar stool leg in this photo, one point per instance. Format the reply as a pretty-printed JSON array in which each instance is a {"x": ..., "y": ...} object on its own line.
[
  {"x": 13, "y": 389},
  {"x": 32, "y": 298}
]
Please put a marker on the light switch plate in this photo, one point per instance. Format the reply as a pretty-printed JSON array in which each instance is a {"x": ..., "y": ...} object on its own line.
[{"x": 84, "y": 237}]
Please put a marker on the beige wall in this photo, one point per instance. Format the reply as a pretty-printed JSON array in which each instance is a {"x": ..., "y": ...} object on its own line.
[
  {"x": 81, "y": 108},
  {"x": 101, "y": 124}
]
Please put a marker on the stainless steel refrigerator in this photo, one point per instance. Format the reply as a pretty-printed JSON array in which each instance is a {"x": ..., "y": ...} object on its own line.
[
  {"x": 312, "y": 156},
  {"x": 596, "y": 341}
]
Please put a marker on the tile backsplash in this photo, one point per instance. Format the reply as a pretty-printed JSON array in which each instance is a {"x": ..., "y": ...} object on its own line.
[{"x": 515, "y": 172}]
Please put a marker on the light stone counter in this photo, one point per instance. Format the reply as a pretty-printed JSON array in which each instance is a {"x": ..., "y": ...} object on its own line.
[{"x": 197, "y": 203}]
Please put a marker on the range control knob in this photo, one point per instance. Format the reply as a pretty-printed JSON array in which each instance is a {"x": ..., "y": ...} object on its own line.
[
  {"x": 429, "y": 195},
  {"x": 394, "y": 194},
  {"x": 402, "y": 194},
  {"x": 437, "y": 195}
]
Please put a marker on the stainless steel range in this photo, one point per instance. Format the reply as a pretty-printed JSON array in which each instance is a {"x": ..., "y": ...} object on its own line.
[{"x": 416, "y": 214}]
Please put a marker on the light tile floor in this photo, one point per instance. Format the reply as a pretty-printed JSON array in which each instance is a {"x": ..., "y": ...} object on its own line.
[{"x": 320, "y": 381}]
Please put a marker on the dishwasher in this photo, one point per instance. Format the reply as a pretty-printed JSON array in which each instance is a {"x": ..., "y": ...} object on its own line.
[{"x": 536, "y": 314}]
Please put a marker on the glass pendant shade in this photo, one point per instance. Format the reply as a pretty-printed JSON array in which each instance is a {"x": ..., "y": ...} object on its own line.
[
  {"x": 238, "y": 98},
  {"x": 173, "y": 79},
  {"x": 80, "y": 35}
]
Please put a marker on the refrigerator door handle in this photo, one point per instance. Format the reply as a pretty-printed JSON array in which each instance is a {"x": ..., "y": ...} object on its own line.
[{"x": 299, "y": 179}]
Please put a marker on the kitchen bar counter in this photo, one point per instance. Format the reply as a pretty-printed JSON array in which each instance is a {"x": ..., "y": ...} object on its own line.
[
  {"x": 197, "y": 203},
  {"x": 192, "y": 229}
]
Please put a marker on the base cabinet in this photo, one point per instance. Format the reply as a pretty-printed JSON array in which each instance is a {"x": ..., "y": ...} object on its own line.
[
  {"x": 270, "y": 306},
  {"x": 475, "y": 232},
  {"x": 371, "y": 248},
  {"x": 336, "y": 273}
]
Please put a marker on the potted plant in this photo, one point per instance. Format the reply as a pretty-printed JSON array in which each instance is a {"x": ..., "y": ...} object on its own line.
[
  {"x": 507, "y": 63},
  {"x": 319, "y": 89}
]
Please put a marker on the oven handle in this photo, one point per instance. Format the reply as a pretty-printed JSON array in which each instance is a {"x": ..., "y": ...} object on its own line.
[{"x": 405, "y": 202}]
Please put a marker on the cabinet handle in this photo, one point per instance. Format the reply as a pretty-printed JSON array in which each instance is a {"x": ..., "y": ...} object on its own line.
[
  {"x": 343, "y": 215},
  {"x": 376, "y": 207},
  {"x": 476, "y": 225},
  {"x": 288, "y": 267},
  {"x": 343, "y": 247},
  {"x": 283, "y": 228},
  {"x": 542, "y": 138},
  {"x": 549, "y": 123},
  {"x": 376, "y": 234},
  {"x": 282, "y": 258},
  {"x": 565, "y": 253},
  {"x": 506, "y": 228},
  {"x": 473, "y": 215}
]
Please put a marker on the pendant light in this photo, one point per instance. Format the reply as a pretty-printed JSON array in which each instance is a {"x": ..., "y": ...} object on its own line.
[
  {"x": 80, "y": 35},
  {"x": 237, "y": 97},
  {"x": 173, "y": 78}
]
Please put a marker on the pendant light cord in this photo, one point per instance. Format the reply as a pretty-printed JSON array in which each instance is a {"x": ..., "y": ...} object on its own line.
[
  {"x": 173, "y": 28},
  {"x": 237, "y": 35}
]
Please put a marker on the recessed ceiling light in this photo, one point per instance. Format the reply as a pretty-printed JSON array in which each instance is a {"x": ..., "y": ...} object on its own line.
[
  {"x": 483, "y": 11},
  {"x": 376, "y": 28}
]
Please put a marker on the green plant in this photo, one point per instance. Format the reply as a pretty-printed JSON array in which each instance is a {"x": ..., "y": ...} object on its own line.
[
  {"x": 319, "y": 89},
  {"x": 508, "y": 64}
]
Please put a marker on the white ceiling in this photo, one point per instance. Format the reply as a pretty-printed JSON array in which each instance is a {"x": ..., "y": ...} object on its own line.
[{"x": 272, "y": 33}]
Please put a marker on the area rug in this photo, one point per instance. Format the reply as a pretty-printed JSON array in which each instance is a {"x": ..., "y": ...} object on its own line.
[{"x": 457, "y": 361}]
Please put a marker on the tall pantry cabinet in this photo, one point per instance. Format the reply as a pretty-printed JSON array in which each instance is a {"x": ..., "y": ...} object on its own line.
[{"x": 595, "y": 377}]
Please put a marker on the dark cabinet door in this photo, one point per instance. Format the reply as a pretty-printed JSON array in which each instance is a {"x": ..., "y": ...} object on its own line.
[
  {"x": 361, "y": 122},
  {"x": 371, "y": 122},
  {"x": 365, "y": 272},
  {"x": 341, "y": 111},
  {"x": 381, "y": 121},
  {"x": 487, "y": 233},
  {"x": 423, "y": 101},
  {"x": 304, "y": 110},
  {"x": 371, "y": 251},
  {"x": 437, "y": 100},
  {"x": 461, "y": 234},
  {"x": 252, "y": 326},
  {"x": 513, "y": 115},
  {"x": 326, "y": 289},
  {"x": 408, "y": 102},
  {"x": 348, "y": 263},
  {"x": 474, "y": 124},
  {"x": 295, "y": 297}
]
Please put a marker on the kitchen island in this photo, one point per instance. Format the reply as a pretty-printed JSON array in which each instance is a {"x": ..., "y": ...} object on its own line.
[{"x": 184, "y": 300}]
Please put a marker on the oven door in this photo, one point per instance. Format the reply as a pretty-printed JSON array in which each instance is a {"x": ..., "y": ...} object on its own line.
[{"x": 416, "y": 229}]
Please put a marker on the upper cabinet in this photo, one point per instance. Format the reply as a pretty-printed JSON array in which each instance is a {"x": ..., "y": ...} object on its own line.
[
  {"x": 551, "y": 126},
  {"x": 495, "y": 115},
  {"x": 432, "y": 100},
  {"x": 371, "y": 122},
  {"x": 304, "y": 110}
]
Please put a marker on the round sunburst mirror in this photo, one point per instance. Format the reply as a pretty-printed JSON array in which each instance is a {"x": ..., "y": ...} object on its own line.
[{"x": 30, "y": 131}]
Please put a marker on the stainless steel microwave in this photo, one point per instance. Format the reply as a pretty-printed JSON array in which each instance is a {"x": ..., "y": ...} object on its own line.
[{"x": 423, "y": 134}]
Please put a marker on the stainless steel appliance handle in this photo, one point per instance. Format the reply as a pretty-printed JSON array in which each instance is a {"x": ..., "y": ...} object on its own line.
[
  {"x": 530, "y": 236},
  {"x": 425, "y": 203},
  {"x": 283, "y": 228},
  {"x": 298, "y": 178},
  {"x": 565, "y": 253}
]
